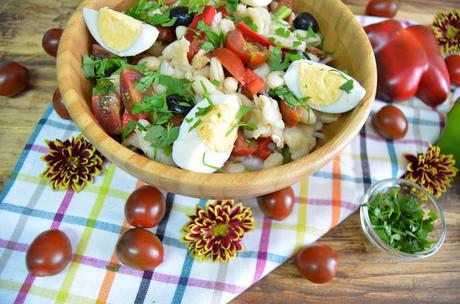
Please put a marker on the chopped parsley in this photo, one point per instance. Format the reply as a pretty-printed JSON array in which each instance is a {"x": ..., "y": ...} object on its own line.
[
  {"x": 400, "y": 221},
  {"x": 103, "y": 86},
  {"x": 151, "y": 12},
  {"x": 231, "y": 5},
  {"x": 95, "y": 68},
  {"x": 161, "y": 137},
  {"x": 214, "y": 39},
  {"x": 286, "y": 155},
  {"x": 238, "y": 123},
  {"x": 283, "y": 93},
  {"x": 173, "y": 85},
  {"x": 282, "y": 32},
  {"x": 278, "y": 63},
  {"x": 249, "y": 22},
  {"x": 347, "y": 86},
  {"x": 194, "y": 6},
  {"x": 130, "y": 127}
]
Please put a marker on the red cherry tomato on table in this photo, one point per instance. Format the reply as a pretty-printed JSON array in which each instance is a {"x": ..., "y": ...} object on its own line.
[
  {"x": 49, "y": 253},
  {"x": 317, "y": 263},
  {"x": 382, "y": 8},
  {"x": 390, "y": 122},
  {"x": 50, "y": 41},
  {"x": 14, "y": 78},
  {"x": 140, "y": 249},
  {"x": 59, "y": 105},
  {"x": 453, "y": 66},
  {"x": 277, "y": 205},
  {"x": 145, "y": 207}
]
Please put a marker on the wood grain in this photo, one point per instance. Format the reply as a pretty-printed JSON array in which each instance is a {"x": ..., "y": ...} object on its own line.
[
  {"x": 345, "y": 37},
  {"x": 365, "y": 275}
]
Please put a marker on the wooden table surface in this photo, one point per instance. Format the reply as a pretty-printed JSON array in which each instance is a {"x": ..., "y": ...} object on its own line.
[{"x": 364, "y": 274}]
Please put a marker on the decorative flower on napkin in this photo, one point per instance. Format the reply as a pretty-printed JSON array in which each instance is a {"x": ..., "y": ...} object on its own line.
[
  {"x": 446, "y": 28},
  {"x": 72, "y": 163},
  {"x": 433, "y": 171},
  {"x": 215, "y": 232}
]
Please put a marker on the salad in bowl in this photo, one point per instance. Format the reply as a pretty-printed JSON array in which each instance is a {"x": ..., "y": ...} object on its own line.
[{"x": 228, "y": 86}]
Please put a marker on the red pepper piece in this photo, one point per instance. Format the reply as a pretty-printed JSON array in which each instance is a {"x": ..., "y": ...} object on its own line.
[
  {"x": 232, "y": 63},
  {"x": 254, "y": 84},
  {"x": 207, "y": 17},
  {"x": 241, "y": 147},
  {"x": 251, "y": 35},
  {"x": 435, "y": 83},
  {"x": 409, "y": 63}
]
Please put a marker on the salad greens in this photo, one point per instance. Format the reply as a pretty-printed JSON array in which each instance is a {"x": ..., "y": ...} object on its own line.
[
  {"x": 400, "y": 221},
  {"x": 142, "y": 11},
  {"x": 289, "y": 98}
]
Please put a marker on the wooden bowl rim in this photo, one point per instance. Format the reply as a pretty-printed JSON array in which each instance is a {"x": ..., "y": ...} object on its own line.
[{"x": 154, "y": 172}]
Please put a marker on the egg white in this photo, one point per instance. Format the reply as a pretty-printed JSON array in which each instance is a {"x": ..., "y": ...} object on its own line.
[
  {"x": 344, "y": 103},
  {"x": 189, "y": 148},
  {"x": 147, "y": 38}
]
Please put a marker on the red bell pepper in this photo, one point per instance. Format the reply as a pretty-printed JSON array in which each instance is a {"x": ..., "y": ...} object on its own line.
[
  {"x": 254, "y": 84},
  {"x": 251, "y": 35},
  {"x": 207, "y": 16},
  {"x": 263, "y": 150},
  {"x": 409, "y": 63}
]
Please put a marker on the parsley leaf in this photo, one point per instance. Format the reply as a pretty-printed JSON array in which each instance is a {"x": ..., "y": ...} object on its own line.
[
  {"x": 249, "y": 22},
  {"x": 400, "y": 221},
  {"x": 151, "y": 12},
  {"x": 347, "y": 86},
  {"x": 214, "y": 39},
  {"x": 130, "y": 127},
  {"x": 283, "y": 93},
  {"x": 282, "y": 32},
  {"x": 95, "y": 68},
  {"x": 103, "y": 86},
  {"x": 194, "y": 6},
  {"x": 238, "y": 123},
  {"x": 162, "y": 137},
  {"x": 231, "y": 5},
  {"x": 278, "y": 63}
]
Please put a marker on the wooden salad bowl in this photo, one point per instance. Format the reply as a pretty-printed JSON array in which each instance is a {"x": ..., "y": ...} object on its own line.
[{"x": 343, "y": 36}]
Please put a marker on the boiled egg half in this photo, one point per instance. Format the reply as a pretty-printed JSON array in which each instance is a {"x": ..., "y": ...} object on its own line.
[
  {"x": 328, "y": 89},
  {"x": 205, "y": 142},
  {"x": 118, "y": 33}
]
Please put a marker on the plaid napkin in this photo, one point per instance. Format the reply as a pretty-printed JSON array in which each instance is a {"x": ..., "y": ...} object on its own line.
[{"x": 94, "y": 219}]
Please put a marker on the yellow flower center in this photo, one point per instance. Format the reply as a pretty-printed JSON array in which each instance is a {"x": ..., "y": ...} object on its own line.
[
  {"x": 220, "y": 229},
  {"x": 73, "y": 161},
  {"x": 452, "y": 32}
]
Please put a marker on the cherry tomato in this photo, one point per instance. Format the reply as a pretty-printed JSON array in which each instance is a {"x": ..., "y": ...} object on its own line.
[
  {"x": 232, "y": 63},
  {"x": 140, "y": 248},
  {"x": 145, "y": 207},
  {"x": 195, "y": 46},
  {"x": 129, "y": 94},
  {"x": 59, "y": 105},
  {"x": 107, "y": 111},
  {"x": 14, "y": 78},
  {"x": 291, "y": 116},
  {"x": 51, "y": 40},
  {"x": 317, "y": 263},
  {"x": 382, "y": 8},
  {"x": 241, "y": 147},
  {"x": 263, "y": 151},
  {"x": 252, "y": 54},
  {"x": 49, "y": 253},
  {"x": 277, "y": 205},
  {"x": 453, "y": 66},
  {"x": 390, "y": 122}
]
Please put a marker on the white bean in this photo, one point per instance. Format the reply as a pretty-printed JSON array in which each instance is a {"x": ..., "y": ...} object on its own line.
[
  {"x": 152, "y": 63},
  {"x": 275, "y": 79},
  {"x": 202, "y": 72},
  {"x": 226, "y": 25},
  {"x": 198, "y": 84},
  {"x": 216, "y": 71},
  {"x": 180, "y": 31},
  {"x": 166, "y": 68},
  {"x": 230, "y": 85},
  {"x": 308, "y": 117}
]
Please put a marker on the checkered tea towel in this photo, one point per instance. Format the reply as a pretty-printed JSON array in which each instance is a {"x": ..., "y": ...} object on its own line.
[{"x": 94, "y": 218}]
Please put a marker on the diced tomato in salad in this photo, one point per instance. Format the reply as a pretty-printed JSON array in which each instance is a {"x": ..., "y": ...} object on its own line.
[
  {"x": 252, "y": 35},
  {"x": 257, "y": 148},
  {"x": 250, "y": 53},
  {"x": 129, "y": 94},
  {"x": 291, "y": 116}
]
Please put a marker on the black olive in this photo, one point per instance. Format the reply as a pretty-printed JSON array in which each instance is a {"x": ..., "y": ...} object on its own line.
[
  {"x": 178, "y": 104},
  {"x": 305, "y": 20},
  {"x": 183, "y": 16}
]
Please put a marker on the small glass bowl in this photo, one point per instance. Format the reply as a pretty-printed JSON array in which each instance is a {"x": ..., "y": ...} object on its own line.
[{"x": 428, "y": 203}]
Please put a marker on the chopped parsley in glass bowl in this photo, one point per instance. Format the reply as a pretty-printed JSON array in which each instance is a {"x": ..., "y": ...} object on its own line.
[{"x": 401, "y": 218}]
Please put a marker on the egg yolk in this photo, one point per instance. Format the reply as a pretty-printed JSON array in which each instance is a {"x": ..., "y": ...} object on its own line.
[
  {"x": 215, "y": 126},
  {"x": 322, "y": 85},
  {"x": 118, "y": 31}
]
